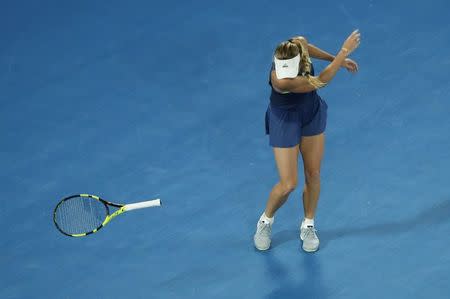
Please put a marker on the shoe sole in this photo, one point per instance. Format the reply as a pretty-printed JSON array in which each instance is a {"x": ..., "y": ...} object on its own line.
[
  {"x": 310, "y": 250},
  {"x": 262, "y": 249}
]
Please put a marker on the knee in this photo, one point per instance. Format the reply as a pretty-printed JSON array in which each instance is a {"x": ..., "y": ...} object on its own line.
[
  {"x": 312, "y": 177},
  {"x": 288, "y": 186}
]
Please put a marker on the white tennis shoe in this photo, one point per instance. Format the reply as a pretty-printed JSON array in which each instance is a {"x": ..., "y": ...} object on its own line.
[
  {"x": 308, "y": 234},
  {"x": 262, "y": 236}
]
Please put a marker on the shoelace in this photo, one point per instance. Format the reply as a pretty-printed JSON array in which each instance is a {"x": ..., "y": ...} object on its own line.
[
  {"x": 309, "y": 231},
  {"x": 265, "y": 228}
]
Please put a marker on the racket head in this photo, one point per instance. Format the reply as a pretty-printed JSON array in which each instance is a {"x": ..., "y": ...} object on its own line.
[{"x": 81, "y": 214}]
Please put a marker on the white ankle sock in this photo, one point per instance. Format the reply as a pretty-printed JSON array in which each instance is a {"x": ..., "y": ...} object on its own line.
[
  {"x": 307, "y": 222},
  {"x": 266, "y": 219}
]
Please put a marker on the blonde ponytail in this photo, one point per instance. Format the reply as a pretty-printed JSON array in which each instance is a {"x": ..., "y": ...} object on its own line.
[{"x": 306, "y": 67}]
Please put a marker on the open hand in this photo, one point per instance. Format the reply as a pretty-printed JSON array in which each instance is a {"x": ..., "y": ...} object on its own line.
[{"x": 352, "y": 42}]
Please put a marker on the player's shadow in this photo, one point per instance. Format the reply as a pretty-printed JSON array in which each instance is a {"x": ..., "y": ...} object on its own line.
[
  {"x": 307, "y": 283},
  {"x": 437, "y": 214}
]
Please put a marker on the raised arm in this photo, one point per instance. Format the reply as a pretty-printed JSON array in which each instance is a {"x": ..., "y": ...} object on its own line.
[
  {"x": 301, "y": 84},
  {"x": 316, "y": 52}
]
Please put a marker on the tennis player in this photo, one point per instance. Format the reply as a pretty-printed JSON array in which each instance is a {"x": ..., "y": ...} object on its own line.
[{"x": 295, "y": 122}]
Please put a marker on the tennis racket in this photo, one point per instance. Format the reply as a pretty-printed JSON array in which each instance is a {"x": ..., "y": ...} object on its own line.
[{"x": 84, "y": 214}]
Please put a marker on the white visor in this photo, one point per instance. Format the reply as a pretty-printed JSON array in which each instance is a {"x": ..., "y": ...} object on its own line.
[{"x": 287, "y": 68}]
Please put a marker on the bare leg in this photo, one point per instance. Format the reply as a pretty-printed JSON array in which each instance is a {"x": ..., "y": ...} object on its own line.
[
  {"x": 287, "y": 164},
  {"x": 311, "y": 148}
]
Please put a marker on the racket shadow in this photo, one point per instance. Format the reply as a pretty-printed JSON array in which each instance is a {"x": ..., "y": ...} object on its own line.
[{"x": 434, "y": 215}]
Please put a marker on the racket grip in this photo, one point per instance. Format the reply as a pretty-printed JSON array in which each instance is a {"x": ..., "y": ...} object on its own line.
[{"x": 142, "y": 205}]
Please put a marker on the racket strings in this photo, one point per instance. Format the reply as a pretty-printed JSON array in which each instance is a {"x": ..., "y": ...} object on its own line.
[{"x": 80, "y": 215}]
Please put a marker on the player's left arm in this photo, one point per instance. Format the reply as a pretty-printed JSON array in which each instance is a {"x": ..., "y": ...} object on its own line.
[{"x": 316, "y": 52}]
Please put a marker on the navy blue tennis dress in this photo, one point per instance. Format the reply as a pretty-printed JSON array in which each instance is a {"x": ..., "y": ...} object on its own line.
[{"x": 293, "y": 115}]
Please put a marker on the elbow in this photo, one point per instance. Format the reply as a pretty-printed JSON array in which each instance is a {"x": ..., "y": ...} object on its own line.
[
  {"x": 302, "y": 39},
  {"x": 282, "y": 86},
  {"x": 324, "y": 78}
]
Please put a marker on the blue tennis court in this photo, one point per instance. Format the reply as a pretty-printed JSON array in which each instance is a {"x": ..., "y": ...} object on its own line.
[{"x": 144, "y": 99}]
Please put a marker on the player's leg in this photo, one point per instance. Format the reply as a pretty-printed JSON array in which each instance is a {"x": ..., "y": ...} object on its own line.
[
  {"x": 312, "y": 149},
  {"x": 287, "y": 163}
]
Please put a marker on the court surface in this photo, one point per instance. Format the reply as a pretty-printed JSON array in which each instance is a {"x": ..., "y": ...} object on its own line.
[{"x": 142, "y": 99}]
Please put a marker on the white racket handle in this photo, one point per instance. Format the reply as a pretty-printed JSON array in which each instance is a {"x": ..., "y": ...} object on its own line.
[{"x": 142, "y": 205}]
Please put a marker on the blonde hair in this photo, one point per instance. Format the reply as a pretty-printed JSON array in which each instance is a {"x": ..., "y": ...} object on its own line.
[{"x": 293, "y": 47}]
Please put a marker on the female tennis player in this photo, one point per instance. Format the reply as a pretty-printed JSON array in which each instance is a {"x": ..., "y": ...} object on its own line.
[{"x": 295, "y": 122}]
